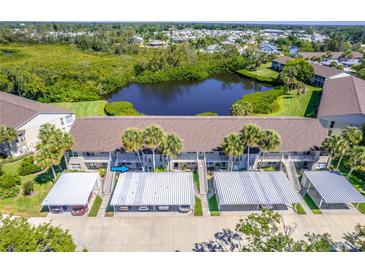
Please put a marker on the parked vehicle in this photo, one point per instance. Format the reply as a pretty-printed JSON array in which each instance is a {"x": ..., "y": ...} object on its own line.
[
  {"x": 267, "y": 207},
  {"x": 164, "y": 208},
  {"x": 57, "y": 209},
  {"x": 78, "y": 211},
  {"x": 184, "y": 208},
  {"x": 143, "y": 208},
  {"x": 124, "y": 208}
]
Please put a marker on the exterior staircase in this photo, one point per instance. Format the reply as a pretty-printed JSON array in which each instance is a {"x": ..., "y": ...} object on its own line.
[
  {"x": 109, "y": 181},
  {"x": 292, "y": 173},
  {"x": 203, "y": 181}
]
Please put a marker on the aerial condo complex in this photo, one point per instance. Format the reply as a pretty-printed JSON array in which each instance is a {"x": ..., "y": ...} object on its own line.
[{"x": 151, "y": 131}]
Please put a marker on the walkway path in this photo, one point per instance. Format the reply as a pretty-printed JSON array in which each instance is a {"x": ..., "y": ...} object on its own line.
[{"x": 104, "y": 205}]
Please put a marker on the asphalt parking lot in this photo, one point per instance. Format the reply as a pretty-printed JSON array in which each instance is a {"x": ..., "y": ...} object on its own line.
[{"x": 180, "y": 233}]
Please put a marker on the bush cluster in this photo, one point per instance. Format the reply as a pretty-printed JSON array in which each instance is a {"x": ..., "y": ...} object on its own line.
[
  {"x": 263, "y": 102},
  {"x": 28, "y": 167},
  {"x": 9, "y": 186},
  {"x": 120, "y": 108}
]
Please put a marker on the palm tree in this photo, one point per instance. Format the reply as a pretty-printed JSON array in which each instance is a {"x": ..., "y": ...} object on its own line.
[
  {"x": 356, "y": 159},
  {"x": 171, "y": 146},
  {"x": 336, "y": 146},
  {"x": 249, "y": 136},
  {"x": 7, "y": 135},
  {"x": 53, "y": 144},
  {"x": 233, "y": 147},
  {"x": 242, "y": 109},
  {"x": 153, "y": 137},
  {"x": 132, "y": 141},
  {"x": 352, "y": 135},
  {"x": 269, "y": 140}
]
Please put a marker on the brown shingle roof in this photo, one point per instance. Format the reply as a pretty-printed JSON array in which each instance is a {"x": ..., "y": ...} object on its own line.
[
  {"x": 197, "y": 133},
  {"x": 342, "y": 96},
  {"x": 16, "y": 110},
  {"x": 319, "y": 70},
  {"x": 282, "y": 59}
]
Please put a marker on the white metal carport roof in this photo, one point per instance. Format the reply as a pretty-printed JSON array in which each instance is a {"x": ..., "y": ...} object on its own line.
[
  {"x": 71, "y": 189},
  {"x": 154, "y": 188},
  {"x": 333, "y": 187},
  {"x": 254, "y": 188}
]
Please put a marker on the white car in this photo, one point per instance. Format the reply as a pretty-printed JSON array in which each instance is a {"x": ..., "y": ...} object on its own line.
[
  {"x": 184, "y": 208},
  {"x": 124, "y": 208},
  {"x": 164, "y": 208},
  {"x": 267, "y": 206},
  {"x": 143, "y": 208}
]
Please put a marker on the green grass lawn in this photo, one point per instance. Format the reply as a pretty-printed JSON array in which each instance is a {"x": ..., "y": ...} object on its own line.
[
  {"x": 361, "y": 207},
  {"x": 89, "y": 108},
  {"x": 299, "y": 209},
  {"x": 95, "y": 207},
  {"x": 196, "y": 180},
  {"x": 264, "y": 73},
  {"x": 198, "y": 211},
  {"x": 312, "y": 205},
  {"x": 209, "y": 113},
  {"x": 27, "y": 206},
  {"x": 304, "y": 105},
  {"x": 213, "y": 206}
]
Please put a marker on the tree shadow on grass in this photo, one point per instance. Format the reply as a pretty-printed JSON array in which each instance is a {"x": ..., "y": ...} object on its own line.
[{"x": 313, "y": 104}]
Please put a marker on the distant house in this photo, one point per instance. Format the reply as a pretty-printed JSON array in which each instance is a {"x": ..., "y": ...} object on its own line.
[
  {"x": 326, "y": 58},
  {"x": 213, "y": 48},
  {"x": 27, "y": 116},
  {"x": 136, "y": 40},
  {"x": 321, "y": 73},
  {"x": 156, "y": 44},
  {"x": 342, "y": 103},
  {"x": 268, "y": 48},
  {"x": 293, "y": 50}
]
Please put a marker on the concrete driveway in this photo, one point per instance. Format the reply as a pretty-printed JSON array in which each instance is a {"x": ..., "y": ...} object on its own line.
[{"x": 169, "y": 233}]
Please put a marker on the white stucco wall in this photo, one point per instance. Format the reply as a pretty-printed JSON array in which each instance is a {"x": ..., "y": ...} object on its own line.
[{"x": 31, "y": 128}]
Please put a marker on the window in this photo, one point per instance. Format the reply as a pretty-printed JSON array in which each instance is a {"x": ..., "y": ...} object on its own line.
[
  {"x": 62, "y": 121},
  {"x": 69, "y": 119},
  {"x": 75, "y": 166},
  {"x": 332, "y": 124},
  {"x": 73, "y": 154}
]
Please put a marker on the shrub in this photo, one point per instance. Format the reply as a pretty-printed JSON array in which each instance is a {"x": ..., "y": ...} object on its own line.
[
  {"x": 28, "y": 188},
  {"x": 263, "y": 102},
  {"x": 120, "y": 108},
  {"x": 28, "y": 167},
  {"x": 1, "y": 170},
  {"x": 102, "y": 172},
  {"x": 9, "y": 186},
  {"x": 242, "y": 109},
  {"x": 209, "y": 113}
]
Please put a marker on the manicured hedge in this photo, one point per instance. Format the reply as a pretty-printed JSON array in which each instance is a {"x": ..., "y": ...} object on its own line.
[{"x": 121, "y": 108}]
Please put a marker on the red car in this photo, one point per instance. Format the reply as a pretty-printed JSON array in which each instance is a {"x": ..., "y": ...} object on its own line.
[{"x": 79, "y": 211}]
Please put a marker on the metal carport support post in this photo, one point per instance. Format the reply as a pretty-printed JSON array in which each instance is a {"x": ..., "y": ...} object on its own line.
[{"x": 320, "y": 203}]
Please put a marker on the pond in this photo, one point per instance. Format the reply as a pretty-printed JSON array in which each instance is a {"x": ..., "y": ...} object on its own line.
[{"x": 215, "y": 94}]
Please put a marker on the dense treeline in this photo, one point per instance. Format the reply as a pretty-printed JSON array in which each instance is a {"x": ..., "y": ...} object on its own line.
[{"x": 55, "y": 73}]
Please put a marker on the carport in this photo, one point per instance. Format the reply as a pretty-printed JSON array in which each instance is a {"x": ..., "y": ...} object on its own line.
[
  {"x": 72, "y": 190},
  {"x": 329, "y": 189},
  {"x": 153, "y": 191},
  {"x": 240, "y": 191}
]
